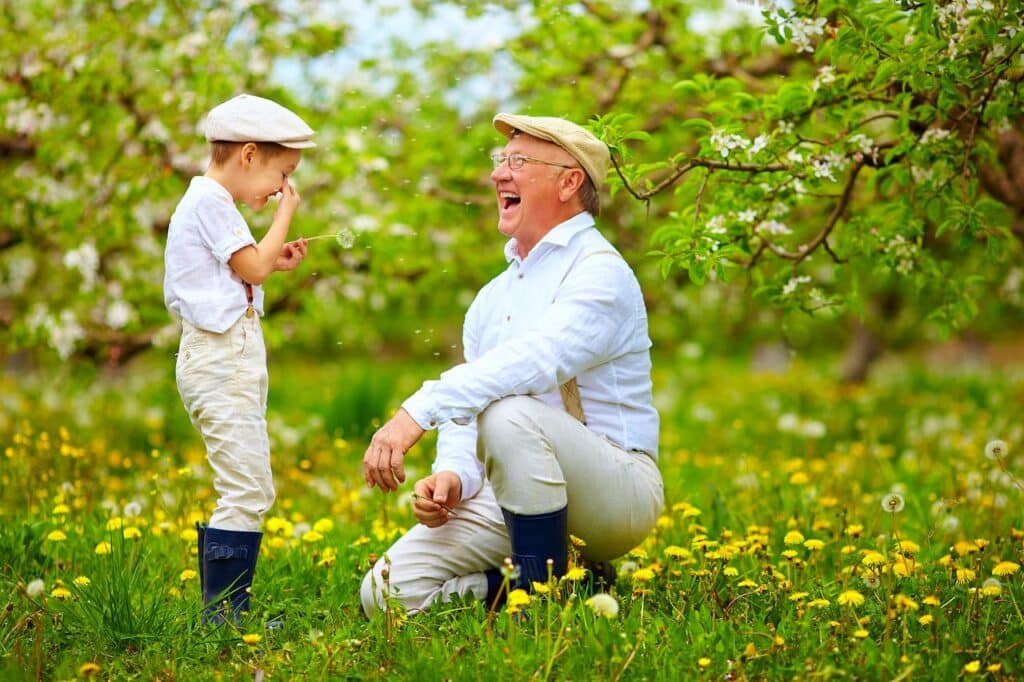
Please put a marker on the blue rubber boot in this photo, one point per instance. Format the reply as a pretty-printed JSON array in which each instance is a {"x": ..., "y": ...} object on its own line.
[
  {"x": 535, "y": 538},
  {"x": 227, "y": 565}
]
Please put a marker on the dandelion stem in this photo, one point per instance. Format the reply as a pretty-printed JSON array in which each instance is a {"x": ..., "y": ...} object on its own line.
[{"x": 321, "y": 236}]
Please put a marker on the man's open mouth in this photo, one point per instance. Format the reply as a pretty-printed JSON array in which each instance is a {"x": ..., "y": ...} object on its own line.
[{"x": 508, "y": 200}]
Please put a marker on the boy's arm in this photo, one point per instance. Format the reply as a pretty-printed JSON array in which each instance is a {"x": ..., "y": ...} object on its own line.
[{"x": 254, "y": 263}]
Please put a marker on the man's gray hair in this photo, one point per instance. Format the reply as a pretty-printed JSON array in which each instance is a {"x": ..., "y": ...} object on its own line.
[{"x": 590, "y": 197}]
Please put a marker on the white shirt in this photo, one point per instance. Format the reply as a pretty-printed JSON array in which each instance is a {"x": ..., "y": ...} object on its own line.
[
  {"x": 564, "y": 311},
  {"x": 205, "y": 231}
]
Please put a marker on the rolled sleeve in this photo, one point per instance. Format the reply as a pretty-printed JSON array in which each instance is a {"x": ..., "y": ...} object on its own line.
[{"x": 222, "y": 229}]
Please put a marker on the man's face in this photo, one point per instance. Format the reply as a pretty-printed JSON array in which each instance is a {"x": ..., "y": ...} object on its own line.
[
  {"x": 265, "y": 175},
  {"x": 528, "y": 198}
]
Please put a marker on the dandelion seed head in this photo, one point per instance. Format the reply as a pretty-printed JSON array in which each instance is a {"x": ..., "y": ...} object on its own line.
[
  {"x": 35, "y": 588},
  {"x": 604, "y": 604},
  {"x": 893, "y": 503},
  {"x": 996, "y": 449}
]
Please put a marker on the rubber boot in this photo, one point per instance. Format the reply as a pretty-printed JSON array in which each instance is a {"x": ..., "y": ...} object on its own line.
[
  {"x": 228, "y": 563},
  {"x": 535, "y": 538}
]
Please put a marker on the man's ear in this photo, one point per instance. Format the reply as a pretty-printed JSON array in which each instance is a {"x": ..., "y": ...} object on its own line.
[
  {"x": 247, "y": 154},
  {"x": 570, "y": 183}
]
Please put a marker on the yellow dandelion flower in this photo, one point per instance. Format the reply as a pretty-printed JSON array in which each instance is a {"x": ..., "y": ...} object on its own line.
[
  {"x": 132, "y": 533},
  {"x": 931, "y": 600},
  {"x": 851, "y": 597},
  {"x": 964, "y": 576},
  {"x": 56, "y": 536},
  {"x": 908, "y": 547},
  {"x": 61, "y": 510},
  {"x": 277, "y": 543},
  {"x": 643, "y": 575},
  {"x": 789, "y": 554},
  {"x": 61, "y": 593},
  {"x": 797, "y": 596},
  {"x": 311, "y": 536},
  {"x": 814, "y": 545},
  {"x": 873, "y": 559},
  {"x": 778, "y": 641},
  {"x": 252, "y": 638},
  {"x": 665, "y": 522},
  {"x": 793, "y": 537},
  {"x": 577, "y": 542},
  {"x": 540, "y": 588},
  {"x": 750, "y": 650},
  {"x": 860, "y": 633},
  {"x": 518, "y": 597},
  {"x": 905, "y": 602},
  {"x": 747, "y": 583},
  {"x": 1004, "y": 568},
  {"x": 992, "y": 588},
  {"x": 994, "y": 667},
  {"x": 360, "y": 541},
  {"x": 187, "y": 574},
  {"x": 703, "y": 661},
  {"x": 926, "y": 619},
  {"x": 88, "y": 669},
  {"x": 677, "y": 552},
  {"x": 972, "y": 667},
  {"x": 189, "y": 535},
  {"x": 855, "y": 530},
  {"x": 575, "y": 573},
  {"x": 323, "y": 526},
  {"x": 115, "y": 523},
  {"x": 82, "y": 581},
  {"x": 848, "y": 549},
  {"x": 819, "y": 603},
  {"x": 799, "y": 478},
  {"x": 730, "y": 571},
  {"x": 691, "y": 512},
  {"x": 103, "y": 548}
]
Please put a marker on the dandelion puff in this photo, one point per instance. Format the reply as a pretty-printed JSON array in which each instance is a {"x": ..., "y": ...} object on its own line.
[
  {"x": 893, "y": 503},
  {"x": 996, "y": 449},
  {"x": 992, "y": 587},
  {"x": 604, "y": 604},
  {"x": 35, "y": 588}
]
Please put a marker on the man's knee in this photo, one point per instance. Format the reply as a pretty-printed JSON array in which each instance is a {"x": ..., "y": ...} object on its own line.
[
  {"x": 503, "y": 419},
  {"x": 377, "y": 593}
]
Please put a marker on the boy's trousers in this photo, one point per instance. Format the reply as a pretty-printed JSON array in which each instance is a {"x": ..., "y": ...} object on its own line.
[
  {"x": 223, "y": 381},
  {"x": 537, "y": 459}
]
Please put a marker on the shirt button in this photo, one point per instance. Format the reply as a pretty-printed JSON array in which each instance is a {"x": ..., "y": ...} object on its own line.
[
  {"x": 508, "y": 318},
  {"x": 433, "y": 422},
  {"x": 520, "y": 275}
]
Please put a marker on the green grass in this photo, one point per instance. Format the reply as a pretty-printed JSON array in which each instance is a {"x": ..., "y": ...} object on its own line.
[{"x": 723, "y": 588}]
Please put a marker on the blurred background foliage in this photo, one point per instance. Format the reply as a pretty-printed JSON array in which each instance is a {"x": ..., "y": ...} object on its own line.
[{"x": 804, "y": 177}]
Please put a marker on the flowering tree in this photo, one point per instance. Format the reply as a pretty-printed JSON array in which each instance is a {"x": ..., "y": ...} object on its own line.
[{"x": 838, "y": 160}]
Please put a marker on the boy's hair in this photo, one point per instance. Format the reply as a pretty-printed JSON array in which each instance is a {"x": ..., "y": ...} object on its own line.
[{"x": 220, "y": 151}]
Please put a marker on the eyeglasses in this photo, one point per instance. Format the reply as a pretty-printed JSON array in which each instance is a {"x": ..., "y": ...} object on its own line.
[{"x": 516, "y": 161}]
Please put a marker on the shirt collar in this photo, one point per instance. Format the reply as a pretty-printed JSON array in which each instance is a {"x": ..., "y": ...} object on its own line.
[
  {"x": 559, "y": 235},
  {"x": 219, "y": 188}
]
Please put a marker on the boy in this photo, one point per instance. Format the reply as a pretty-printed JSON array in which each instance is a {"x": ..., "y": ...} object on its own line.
[{"x": 214, "y": 272}]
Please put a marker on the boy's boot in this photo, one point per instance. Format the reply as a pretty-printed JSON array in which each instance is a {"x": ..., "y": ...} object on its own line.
[
  {"x": 535, "y": 538},
  {"x": 227, "y": 565}
]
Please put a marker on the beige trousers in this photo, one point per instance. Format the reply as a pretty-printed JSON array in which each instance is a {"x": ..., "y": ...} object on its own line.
[
  {"x": 222, "y": 379},
  {"x": 537, "y": 459}
]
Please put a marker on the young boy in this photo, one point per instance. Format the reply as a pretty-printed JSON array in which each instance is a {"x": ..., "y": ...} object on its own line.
[{"x": 214, "y": 272}]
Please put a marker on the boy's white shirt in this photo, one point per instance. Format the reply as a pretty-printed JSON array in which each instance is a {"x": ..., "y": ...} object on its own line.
[
  {"x": 206, "y": 229},
  {"x": 531, "y": 329}
]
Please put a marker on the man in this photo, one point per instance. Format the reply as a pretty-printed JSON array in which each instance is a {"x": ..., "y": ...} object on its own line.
[{"x": 555, "y": 396}]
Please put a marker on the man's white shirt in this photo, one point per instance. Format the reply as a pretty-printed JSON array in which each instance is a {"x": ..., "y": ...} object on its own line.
[
  {"x": 571, "y": 308},
  {"x": 206, "y": 229}
]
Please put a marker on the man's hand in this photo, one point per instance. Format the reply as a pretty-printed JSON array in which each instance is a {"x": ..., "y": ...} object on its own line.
[
  {"x": 292, "y": 254},
  {"x": 443, "y": 488},
  {"x": 383, "y": 462}
]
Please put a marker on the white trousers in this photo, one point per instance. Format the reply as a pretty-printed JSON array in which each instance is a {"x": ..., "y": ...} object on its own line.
[
  {"x": 537, "y": 459},
  {"x": 222, "y": 379}
]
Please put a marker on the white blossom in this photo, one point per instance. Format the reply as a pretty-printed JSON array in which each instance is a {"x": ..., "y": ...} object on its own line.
[
  {"x": 772, "y": 227},
  {"x": 86, "y": 260},
  {"x": 118, "y": 314}
]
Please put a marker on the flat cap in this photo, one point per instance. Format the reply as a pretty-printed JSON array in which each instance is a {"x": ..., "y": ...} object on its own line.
[
  {"x": 589, "y": 152},
  {"x": 248, "y": 118}
]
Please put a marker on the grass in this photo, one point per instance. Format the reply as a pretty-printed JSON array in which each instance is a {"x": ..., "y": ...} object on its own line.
[{"x": 774, "y": 557}]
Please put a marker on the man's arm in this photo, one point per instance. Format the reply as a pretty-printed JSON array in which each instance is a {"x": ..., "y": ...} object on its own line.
[{"x": 592, "y": 320}]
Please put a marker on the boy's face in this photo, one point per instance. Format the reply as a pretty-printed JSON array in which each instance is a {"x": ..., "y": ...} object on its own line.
[{"x": 263, "y": 174}]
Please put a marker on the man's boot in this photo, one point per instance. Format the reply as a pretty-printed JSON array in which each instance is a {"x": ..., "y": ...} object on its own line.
[
  {"x": 535, "y": 538},
  {"x": 227, "y": 563}
]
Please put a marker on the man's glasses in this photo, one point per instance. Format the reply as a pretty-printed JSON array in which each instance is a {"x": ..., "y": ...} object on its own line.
[{"x": 516, "y": 161}]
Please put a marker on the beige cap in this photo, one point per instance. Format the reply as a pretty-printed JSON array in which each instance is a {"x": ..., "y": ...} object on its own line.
[
  {"x": 248, "y": 118},
  {"x": 590, "y": 152}
]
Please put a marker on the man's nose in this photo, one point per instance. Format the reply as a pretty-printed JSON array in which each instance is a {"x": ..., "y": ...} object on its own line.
[{"x": 502, "y": 172}]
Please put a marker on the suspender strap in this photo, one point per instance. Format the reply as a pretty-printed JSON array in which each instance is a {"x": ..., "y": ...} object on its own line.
[{"x": 570, "y": 390}]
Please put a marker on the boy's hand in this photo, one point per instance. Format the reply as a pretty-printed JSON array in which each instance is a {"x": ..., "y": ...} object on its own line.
[
  {"x": 288, "y": 203},
  {"x": 435, "y": 496},
  {"x": 292, "y": 254}
]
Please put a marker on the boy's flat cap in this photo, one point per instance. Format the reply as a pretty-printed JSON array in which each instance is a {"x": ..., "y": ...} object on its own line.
[
  {"x": 248, "y": 118},
  {"x": 590, "y": 152}
]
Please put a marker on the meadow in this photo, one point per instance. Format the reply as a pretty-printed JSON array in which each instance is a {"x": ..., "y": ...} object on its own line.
[{"x": 811, "y": 530}]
